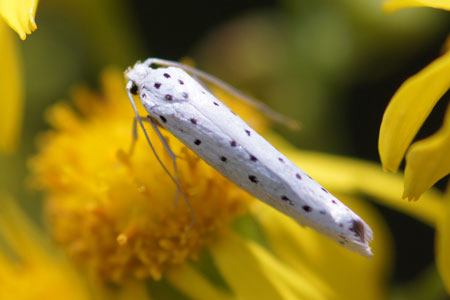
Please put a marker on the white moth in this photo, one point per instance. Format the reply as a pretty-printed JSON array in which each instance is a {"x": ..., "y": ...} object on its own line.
[{"x": 208, "y": 127}]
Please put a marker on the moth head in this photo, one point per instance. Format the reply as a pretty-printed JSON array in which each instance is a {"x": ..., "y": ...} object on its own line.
[{"x": 136, "y": 75}]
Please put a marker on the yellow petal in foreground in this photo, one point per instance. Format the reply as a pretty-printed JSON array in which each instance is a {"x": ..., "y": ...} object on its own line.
[
  {"x": 443, "y": 245},
  {"x": 193, "y": 284},
  {"x": 19, "y": 14},
  {"x": 12, "y": 93},
  {"x": 391, "y": 6},
  {"x": 350, "y": 276},
  {"x": 35, "y": 272},
  {"x": 253, "y": 273},
  {"x": 409, "y": 108},
  {"x": 428, "y": 161},
  {"x": 304, "y": 285}
]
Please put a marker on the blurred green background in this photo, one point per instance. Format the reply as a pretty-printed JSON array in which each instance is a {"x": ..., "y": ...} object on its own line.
[{"x": 330, "y": 64}]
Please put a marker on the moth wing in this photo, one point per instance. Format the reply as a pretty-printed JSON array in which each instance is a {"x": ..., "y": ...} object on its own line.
[{"x": 267, "y": 111}]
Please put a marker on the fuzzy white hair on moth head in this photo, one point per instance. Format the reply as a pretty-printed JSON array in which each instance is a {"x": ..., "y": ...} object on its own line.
[{"x": 137, "y": 73}]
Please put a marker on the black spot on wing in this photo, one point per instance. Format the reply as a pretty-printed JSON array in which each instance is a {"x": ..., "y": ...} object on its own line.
[
  {"x": 307, "y": 208},
  {"x": 253, "y": 178},
  {"x": 286, "y": 199}
]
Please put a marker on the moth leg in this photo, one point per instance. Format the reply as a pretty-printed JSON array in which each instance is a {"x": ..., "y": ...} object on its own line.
[
  {"x": 134, "y": 135},
  {"x": 154, "y": 123},
  {"x": 134, "y": 132},
  {"x": 172, "y": 155},
  {"x": 138, "y": 119}
]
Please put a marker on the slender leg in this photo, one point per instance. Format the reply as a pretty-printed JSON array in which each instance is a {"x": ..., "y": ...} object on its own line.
[
  {"x": 134, "y": 134},
  {"x": 172, "y": 155},
  {"x": 175, "y": 180}
]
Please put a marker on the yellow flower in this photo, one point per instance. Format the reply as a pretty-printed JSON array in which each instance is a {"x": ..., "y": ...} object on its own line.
[
  {"x": 19, "y": 14},
  {"x": 393, "y": 5},
  {"x": 114, "y": 213},
  {"x": 115, "y": 210},
  {"x": 31, "y": 269},
  {"x": 426, "y": 161}
]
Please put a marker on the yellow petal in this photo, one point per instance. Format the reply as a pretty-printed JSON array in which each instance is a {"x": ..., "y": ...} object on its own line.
[
  {"x": 409, "y": 108},
  {"x": 31, "y": 269},
  {"x": 303, "y": 250},
  {"x": 301, "y": 287},
  {"x": 350, "y": 176},
  {"x": 394, "y": 5},
  {"x": 427, "y": 161},
  {"x": 443, "y": 245},
  {"x": 19, "y": 14},
  {"x": 19, "y": 232},
  {"x": 193, "y": 284},
  {"x": 12, "y": 91},
  {"x": 251, "y": 276}
]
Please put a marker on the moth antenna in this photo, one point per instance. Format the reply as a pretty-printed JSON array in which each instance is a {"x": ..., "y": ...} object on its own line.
[
  {"x": 175, "y": 180},
  {"x": 267, "y": 111}
]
